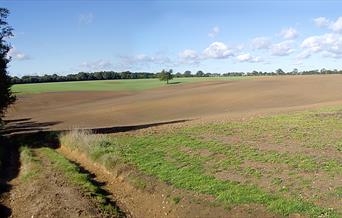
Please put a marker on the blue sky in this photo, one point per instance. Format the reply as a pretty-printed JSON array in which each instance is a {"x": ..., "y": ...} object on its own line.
[{"x": 215, "y": 36}]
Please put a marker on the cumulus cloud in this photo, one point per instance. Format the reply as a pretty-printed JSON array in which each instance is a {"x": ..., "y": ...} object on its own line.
[
  {"x": 283, "y": 48},
  {"x": 217, "y": 50},
  {"x": 329, "y": 44},
  {"x": 303, "y": 55},
  {"x": 214, "y": 32},
  {"x": 248, "y": 58},
  {"x": 96, "y": 65},
  {"x": 335, "y": 26},
  {"x": 144, "y": 60},
  {"x": 188, "y": 54},
  {"x": 18, "y": 55},
  {"x": 86, "y": 18},
  {"x": 289, "y": 33},
  {"x": 322, "y": 22},
  {"x": 261, "y": 43}
]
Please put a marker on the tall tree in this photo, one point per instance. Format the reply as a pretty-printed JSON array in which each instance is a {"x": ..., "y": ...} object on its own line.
[
  {"x": 200, "y": 73},
  {"x": 6, "y": 95},
  {"x": 166, "y": 76}
]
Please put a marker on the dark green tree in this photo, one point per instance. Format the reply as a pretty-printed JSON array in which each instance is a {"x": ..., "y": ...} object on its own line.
[
  {"x": 280, "y": 72},
  {"x": 200, "y": 73},
  {"x": 166, "y": 76},
  {"x": 187, "y": 73},
  {"x": 6, "y": 95}
]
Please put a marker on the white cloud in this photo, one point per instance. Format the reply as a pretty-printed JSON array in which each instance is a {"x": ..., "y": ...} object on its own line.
[
  {"x": 322, "y": 22},
  {"x": 144, "y": 61},
  {"x": 248, "y": 58},
  {"x": 283, "y": 48},
  {"x": 217, "y": 50},
  {"x": 214, "y": 31},
  {"x": 337, "y": 25},
  {"x": 18, "y": 55},
  {"x": 289, "y": 33},
  {"x": 261, "y": 43},
  {"x": 96, "y": 65},
  {"x": 303, "y": 55},
  {"x": 188, "y": 54},
  {"x": 313, "y": 43},
  {"x": 86, "y": 18},
  {"x": 329, "y": 44}
]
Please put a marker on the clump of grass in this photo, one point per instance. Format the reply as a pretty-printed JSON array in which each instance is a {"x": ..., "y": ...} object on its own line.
[
  {"x": 30, "y": 165},
  {"x": 80, "y": 139},
  {"x": 176, "y": 199},
  {"x": 338, "y": 191},
  {"x": 73, "y": 174},
  {"x": 137, "y": 181},
  {"x": 99, "y": 148}
]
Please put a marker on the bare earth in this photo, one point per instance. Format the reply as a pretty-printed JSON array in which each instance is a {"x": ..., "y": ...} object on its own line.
[
  {"x": 50, "y": 195},
  {"x": 176, "y": 102}
]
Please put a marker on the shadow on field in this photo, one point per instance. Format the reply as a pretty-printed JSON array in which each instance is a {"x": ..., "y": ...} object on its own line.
[
  {"x": 174, "y": 83},
  {"x": 115, "y": 129},
  {"x": 24, "y": 126},
  {"x": 33, "y": 134}
]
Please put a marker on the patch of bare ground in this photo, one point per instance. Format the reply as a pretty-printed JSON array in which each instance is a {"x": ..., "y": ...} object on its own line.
[
  {"x": 263, "y": 144},
  {"x": 294, "y": 147},
  {"x": 158, "y": 199},
  {"x": 49, "y": 195},
  {"x": 203, "y": 152},
  {"x": 337, "y": 114},
  {"x": 280, "y": 178}
]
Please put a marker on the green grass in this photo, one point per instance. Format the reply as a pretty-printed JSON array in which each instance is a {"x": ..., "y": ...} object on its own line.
[
  {"x": 108, "y": 85},
  {"x": 278, "y": 176},
  {"x": 30, "y": 165},
  {"x": 82, "y": 180}
]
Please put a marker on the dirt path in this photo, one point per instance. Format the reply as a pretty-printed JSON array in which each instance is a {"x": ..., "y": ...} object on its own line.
[{"x": 48, "y": 194}]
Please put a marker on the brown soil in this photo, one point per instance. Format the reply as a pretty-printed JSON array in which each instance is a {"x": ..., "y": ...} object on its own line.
[
  {"x": 48, "y": 195},
  {"x": 189, "y": 101}
]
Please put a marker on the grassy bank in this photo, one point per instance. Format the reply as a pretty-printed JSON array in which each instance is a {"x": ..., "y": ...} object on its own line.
[
  {"x": 108, "y": 85},
  {"x": 289, "y": 163},
  {"x": 30, "y": 165},
  {"x": 81, "y": 180}
]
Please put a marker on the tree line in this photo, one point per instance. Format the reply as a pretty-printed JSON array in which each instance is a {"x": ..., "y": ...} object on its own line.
[
  {"x": 111, "y": 75},
  {"x": 6, "y": 95}
]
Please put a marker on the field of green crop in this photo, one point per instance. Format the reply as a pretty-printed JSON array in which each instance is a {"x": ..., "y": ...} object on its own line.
[
  {"x": 289, "y": 163},
  {"x": 107, "y": 85}
]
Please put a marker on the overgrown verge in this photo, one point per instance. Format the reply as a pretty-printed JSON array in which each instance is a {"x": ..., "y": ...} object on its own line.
[
  {"x": 193, "y": 158},
  {"x": 30, "y": 165},
  {"x": 82, "y": 180}
]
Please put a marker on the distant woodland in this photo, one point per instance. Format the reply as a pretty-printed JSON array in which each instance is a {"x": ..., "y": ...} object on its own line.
[{"x": 111, "y": 75}]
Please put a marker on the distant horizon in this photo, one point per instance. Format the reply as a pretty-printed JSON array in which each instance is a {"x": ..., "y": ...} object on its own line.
[
  {"x": 61, "y": 37},
  {"x": 322, "y": 71}
]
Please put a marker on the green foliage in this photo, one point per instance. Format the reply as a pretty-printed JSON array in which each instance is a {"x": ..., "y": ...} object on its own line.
[
  {"x": 165, "y": 76},
  {"x": 30, "y": 165},
  {"x": 176, "y": 199},
  {"x": 6, "y": 96}
]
